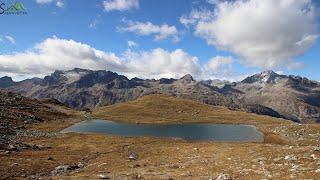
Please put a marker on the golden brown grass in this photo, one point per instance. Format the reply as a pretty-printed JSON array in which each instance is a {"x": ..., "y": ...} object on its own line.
[
  {"x": 167, "y": 109},
  {"x": 163, "y": 158}
]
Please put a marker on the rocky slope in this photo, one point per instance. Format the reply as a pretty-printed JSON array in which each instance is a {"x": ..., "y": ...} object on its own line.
[
  {"x": 6, "y": 81},
  {"x": 80, "y": 88},
  {"x": 269, "y": 93},
  {"x": 17, "y": 113},
  {"x": 294, "y": 97}
]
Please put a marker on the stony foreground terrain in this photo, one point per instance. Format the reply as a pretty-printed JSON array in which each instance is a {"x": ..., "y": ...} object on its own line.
[
  {"x": 290, "y": 150},
  {"x": 17, "y": 113}
]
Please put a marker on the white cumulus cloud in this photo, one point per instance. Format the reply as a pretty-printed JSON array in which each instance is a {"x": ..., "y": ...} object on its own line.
[
  {"x": 44, "y": 1},
  {"x": 10, "y": 39},
  {"x": 54, "y": 53},
  {"x": 160, "y": 32},
  {"x": 220, "y": 65},
  {"x": 59, "y": 3},
  {"x": 267, "y": 34},
  {"x": 160, "y": 63},
  {"x": 132, "y": 44},
  {"x": 120, "y": 5},
  {"x": 214, "y": 2},
  {"x": 196, "y": 15},
  {"x": 60, "y": 54}
]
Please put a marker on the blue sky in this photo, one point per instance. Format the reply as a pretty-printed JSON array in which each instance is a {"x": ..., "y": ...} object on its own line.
[{"x": 210, "y": 43}]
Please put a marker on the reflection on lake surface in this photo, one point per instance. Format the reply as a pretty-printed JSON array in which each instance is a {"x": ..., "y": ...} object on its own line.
[{"x": 194, "y": 132}]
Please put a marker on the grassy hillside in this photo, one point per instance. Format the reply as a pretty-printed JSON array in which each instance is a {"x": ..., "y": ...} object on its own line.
[
  {"x": 167, "y": 109},
  {"x": 88, "y": 156}
]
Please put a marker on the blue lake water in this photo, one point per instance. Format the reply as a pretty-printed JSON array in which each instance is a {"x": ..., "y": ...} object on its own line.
[{"x": 192, "y": 131}]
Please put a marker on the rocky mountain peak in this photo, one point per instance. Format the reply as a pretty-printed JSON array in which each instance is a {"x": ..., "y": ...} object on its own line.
[
  {"x": 6, "y": 79},
  {"x": 55, "y": 79},
  {"x": 187, "y": 79},
  {"x": 79, "y": 70},
  {"x": 268, "y": 73},
  {"x": 82, "y": 77},
  {"x": 103, "y": 77},
  {"x": 217, "y": 82},
  {"x": 268, "y": 77},
  {"x": 166, "y": 80}
]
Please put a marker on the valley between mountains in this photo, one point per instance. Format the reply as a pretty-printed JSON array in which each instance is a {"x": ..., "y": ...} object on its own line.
[{"x": 34, "y": 112}]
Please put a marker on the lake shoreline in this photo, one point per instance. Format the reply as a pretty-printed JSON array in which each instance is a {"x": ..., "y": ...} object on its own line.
[{"x": 189, "y": 131}]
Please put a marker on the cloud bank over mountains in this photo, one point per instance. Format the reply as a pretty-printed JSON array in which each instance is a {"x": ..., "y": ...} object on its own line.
[{"x": 54, "y": 53}]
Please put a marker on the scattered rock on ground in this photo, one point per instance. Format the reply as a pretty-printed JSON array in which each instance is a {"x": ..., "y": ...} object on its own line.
[
  {"x": 133, "y": 156},
  {"x": 224, "y": 176},
  {"x": 103, "y": 176},
  {"x": 62, "y": 169},
  {"x": 291, "y": 158},
  {"x": 260, "y": 159}
]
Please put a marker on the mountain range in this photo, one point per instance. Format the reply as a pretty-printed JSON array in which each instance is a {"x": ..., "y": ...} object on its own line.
[{"x": 267, "y": 93}]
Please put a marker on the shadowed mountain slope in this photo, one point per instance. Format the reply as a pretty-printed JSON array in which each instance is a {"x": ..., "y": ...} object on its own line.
[{"x": 266, "y": 93}]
